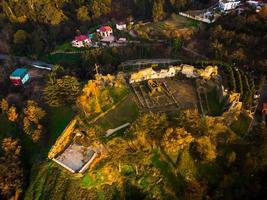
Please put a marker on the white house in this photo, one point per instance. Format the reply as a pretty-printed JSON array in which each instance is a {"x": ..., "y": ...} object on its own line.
[
  {"x": 226, "y": 5},
  {"x": 121, "y": 26},
  {"x": 81, "y": 41},
  {"x": 105, "y": 31},
  {"x": 149, "y": 73}
]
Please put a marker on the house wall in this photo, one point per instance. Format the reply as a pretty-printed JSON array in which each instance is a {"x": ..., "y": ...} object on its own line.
[
  {"x": 228, "y": 5},
  {"x": 121, "y": 27}
]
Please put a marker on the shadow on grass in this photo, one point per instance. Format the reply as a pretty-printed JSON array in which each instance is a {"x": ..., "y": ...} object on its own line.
[{"x": 174, "y": 181}]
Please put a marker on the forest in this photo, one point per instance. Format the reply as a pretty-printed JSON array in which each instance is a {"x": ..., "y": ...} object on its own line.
[{"x": 181, "y": 155}]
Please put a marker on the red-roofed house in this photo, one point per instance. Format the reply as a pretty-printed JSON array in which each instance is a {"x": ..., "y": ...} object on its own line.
[
  {"x": 105, "y": 31},
  {"x": 81, "y": 41}
]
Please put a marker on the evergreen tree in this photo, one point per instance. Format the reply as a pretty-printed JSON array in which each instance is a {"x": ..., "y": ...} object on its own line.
[{"x": 61, "y": 91}]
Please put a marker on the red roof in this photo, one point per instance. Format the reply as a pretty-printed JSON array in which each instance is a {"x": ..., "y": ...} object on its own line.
[
  {"x": 81, "y": 37},
  {"x": 105, "y": 28}
]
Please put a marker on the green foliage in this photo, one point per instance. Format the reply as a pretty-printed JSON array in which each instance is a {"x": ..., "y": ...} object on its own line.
[
  {"x": 20, "y": 37},
  {"x": 241, "y": 125},
  {"x": 57, "y": 121},
  {"x": 239, "y": 82},
  {"x": 148, "y": 130},
  {"x": 216, "y": 106},
  {"x": 127, "y": 170},
  {"x": 232, "y": 83},
  {"x": 205, "y": 148},
  {"x": 186, "y": 165},
  {"x": 61, "y": 91},
  {"x": 83, "y": 14},
  {"x": 157, "y": 10},
  {"x": 174, "y": 181},
  {"x": 210, "y": 172}
]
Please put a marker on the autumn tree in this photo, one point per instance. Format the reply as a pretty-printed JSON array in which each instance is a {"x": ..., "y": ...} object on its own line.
[
  {"x": 94, "y": 97},
  {"x": 11, "y": 172},
  {"x": 147, "y": 130},
  {"x": 176, "y": 139},
  {"x": 205, "y": 148},
  {"x": 192, "y": 121},
  {"x": 4, "y": 106},
  {"x": 33, "y": 115},
  {"x": 61, "y": 91},
  {"x": 12, "y": 114}
]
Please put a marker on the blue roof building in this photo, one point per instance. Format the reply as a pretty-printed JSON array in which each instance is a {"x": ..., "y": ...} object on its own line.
[{"x": 20, "y": 76}]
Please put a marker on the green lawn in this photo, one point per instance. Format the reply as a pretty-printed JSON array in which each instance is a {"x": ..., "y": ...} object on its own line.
[
  {"x": 88, "y": 181},
  {"x": 126, "y": 111},
  {"x": 174, "y": 22},
  {"x": 62, "y": 58},
  {"x": 241, "y": 125},
  {"x": 57, "y": 122}
]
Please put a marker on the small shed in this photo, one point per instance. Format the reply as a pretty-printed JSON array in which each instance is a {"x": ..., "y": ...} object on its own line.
[{"x": 20, "y": 76}]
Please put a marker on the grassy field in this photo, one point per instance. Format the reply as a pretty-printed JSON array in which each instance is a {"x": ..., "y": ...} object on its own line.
[
  {"x": 58, "y": 120},
  {"x": 241, "y": 125},
  {"x": 127, "y": 111},
  {"x": 167, "y": 28},
  {"x": 177, "y": 22},
  {"x": 62, "y": 58}
]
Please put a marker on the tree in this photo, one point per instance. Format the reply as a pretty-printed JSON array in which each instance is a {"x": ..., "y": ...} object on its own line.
[
  {"x": 61, "y": 91},
  {"x": 178, "y": 5},
  {"x": 157, "y": 10},
  {"x": 32, "y": 118},
  {"x": 148, "y": 130},
  {"x": 82, "y": 14},
  {"x": 95, "y": 96},
  {"x": 20, "y": 37},
  {"x": 11, "y": 173},
  {"x": 205, "y": 148},
  {"x": 4, "y": 106},
  {"x": 12, "y": 114},
  {"x": 175, "y": 140}
]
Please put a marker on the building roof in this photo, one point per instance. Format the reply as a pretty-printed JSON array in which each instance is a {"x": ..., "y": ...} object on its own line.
[
  {"x": 142, "y": 73},
  {"x": 105, "y": 28},
  {"x": 81, "y": 37},
  {"x": 20, "y": 72}
]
